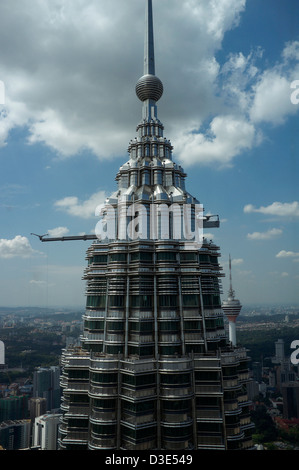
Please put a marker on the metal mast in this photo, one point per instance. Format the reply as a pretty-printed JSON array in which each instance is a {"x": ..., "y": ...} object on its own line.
[
  {"x": 149, "y": 88},
  {"x": 149, "y": 52}
]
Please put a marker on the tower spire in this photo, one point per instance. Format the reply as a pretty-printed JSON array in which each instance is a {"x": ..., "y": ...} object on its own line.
[
  {"x": 231, "y": 307},
  {"x": 231, "y": 291},
  {"x": 149, "y": 88},
  {"x": 149, "y": 51}
]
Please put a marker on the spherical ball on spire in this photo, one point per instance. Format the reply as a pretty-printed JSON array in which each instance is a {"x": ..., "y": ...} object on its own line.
[{"x": 149, "y": 87}]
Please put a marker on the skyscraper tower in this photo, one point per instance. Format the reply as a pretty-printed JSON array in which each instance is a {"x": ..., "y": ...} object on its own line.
[
  {"x": 232, "y": 308},
  {"x": 154, "y": 369},
  {"x": 2, "y": 355}
]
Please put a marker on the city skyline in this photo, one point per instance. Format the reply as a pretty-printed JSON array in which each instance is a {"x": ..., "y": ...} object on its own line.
[{"x": 227, "y": 72}]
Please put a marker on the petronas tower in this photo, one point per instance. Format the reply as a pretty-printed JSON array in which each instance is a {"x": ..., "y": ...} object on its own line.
[{"x": 155, "y": 369}]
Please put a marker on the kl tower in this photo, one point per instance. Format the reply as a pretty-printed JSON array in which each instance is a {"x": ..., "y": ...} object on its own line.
[{"x": 231, "y": 308}]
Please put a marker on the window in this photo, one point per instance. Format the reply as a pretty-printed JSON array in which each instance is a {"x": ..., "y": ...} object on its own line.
[
  {"x": 166, "y": 256},
  {"x": 190, "y": 300},
  {"x": 138, "y": 435},
  {"x": 122, "y": 257},
  {"x": 94, "y": 325},
  {"x": 115, "y": 326},
  {"x": 142, "y": 351},
  {"x": 195, "y": 348},
  {"x": 144, "y": 256},
  {"x": 108, "y": 404},
  {"x": 96, "y": 301},
  {"x": 104, "y": 378},
  {"x": 142, "y": 301},
  {"x": 209, "y": 428},
  {"x": 99, "y": 259},
  {"x": 116, "y": 300},
  {"x": 192, "y": 325},
  {"x": 78, "y": 374},
  {"x": 175, "y": 379},
  {"x": 114, "y": 349},
  {"x": 170, "y": 350},
  {"x": 176, "y": 405},
  {"x": 167, "y": 300},
  {"x": 210, "y": 300},
  {"x": 206, "y": 375},
  {"x": 106, "y": 430},
  {"x": 138, "y": 408},
  {"x": 176, "y": 432},
  {"x": 188, "y": 256},
  {"x": 168, "y": 326},
  {"x": 141, "y": 327},
  {"x": 139, "y": 380},
  {"x": 77, "y": 423}
]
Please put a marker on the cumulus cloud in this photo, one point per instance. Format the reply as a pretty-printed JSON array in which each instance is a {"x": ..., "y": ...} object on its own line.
[
  {"x": 37, "y": 283},
  {"x": 84, "y": 209},
  {"x": 72, "y": 95},
  {"x": 17, "y": 247},
  {"x": 271, "y": 233},
  {"x": 271, "y": 102},
  {"x": 282, "y": 209},
  {"x": 287, "y": 254},
  {"x": 237, "y": 261},
  {"x": 227, "y": 137},
  {"x": 58, "y": 232}
]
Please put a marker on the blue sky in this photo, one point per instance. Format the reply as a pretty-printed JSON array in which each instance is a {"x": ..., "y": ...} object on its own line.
[{"x": 69, "y": 71}]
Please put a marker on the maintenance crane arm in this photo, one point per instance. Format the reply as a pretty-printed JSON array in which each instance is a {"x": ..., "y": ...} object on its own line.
[{"x": 208, "y": 222}]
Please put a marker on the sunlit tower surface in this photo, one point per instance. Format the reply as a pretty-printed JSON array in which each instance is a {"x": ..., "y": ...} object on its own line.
[{"x": 232, "y": 308}]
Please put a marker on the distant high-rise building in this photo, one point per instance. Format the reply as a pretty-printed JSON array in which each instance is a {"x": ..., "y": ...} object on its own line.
[
  {"x": 2, "y": 354},
  {"x": 290, "y": 395},
  {"x": 13, "y": 408},
  {"x": 154, "y": 369},
  {"x": 15, "y": 435},
  {"x": 232, "y": 308},
  {"x": 279, "y": 350},
  {"x": 46, "y": 384},
  {"x": 45, "y": 431},
  {"x": 37, "y": 407}
]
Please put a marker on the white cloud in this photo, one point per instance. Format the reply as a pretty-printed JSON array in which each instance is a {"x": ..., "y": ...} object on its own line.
[
  {"x": 287, "y": 254},
  {"x": 227, "y": 137},
  {"x": 71, "y": 95},
  {"x": 287, "y": 209},
  {"x": 17, "y": 247},
  {"x": 37, "y": 283},
  {"x": 271, "y": 93},
  {"x": 271, "y": 233},
  {"x": 237, "y": 261},
  {"x": 272, "y": 99},
  {"x": 85, "y": 209},
  {"x": 58, "y": 232}
]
